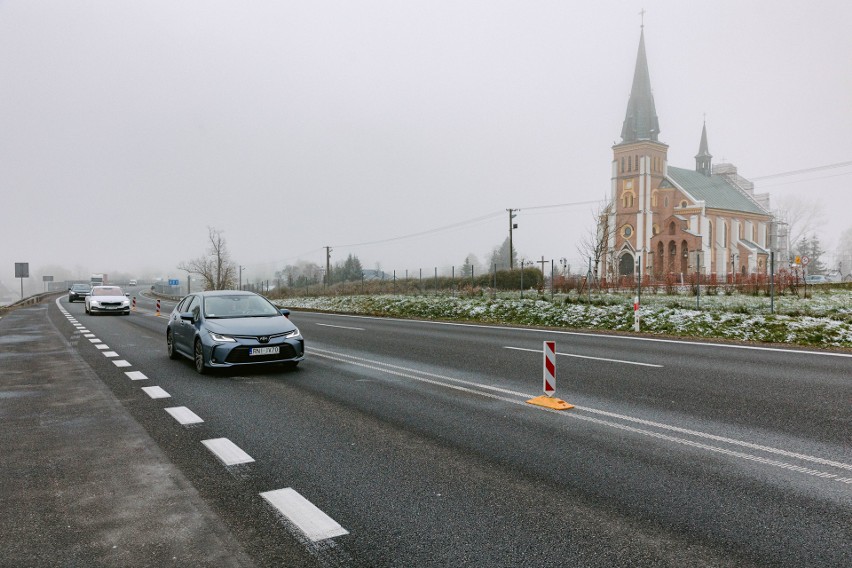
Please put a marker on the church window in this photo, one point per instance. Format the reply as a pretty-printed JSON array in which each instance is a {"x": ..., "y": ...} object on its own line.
[
  {"x": 710, "y": 234},
  {"x": 684, "y": 203},
  {"x": 627, "y": 231},
  {"x": 622, "y": 164},
  {"x": 627, "y": 199},
  {"x": 654, "y": 198},
  {"x": 655, "y": 230},
  {"x": 724, "y": 234},
  {"x": 666, "y": 201},
  {"x": 629, "y": 163},
  {"x": 636, "y": 161},
  {"x": 672, "y": 228}
]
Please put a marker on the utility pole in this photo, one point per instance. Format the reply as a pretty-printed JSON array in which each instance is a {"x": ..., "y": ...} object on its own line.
[
  {"x": 511, "y": 227},
  {"x": 327, "y": 266}
]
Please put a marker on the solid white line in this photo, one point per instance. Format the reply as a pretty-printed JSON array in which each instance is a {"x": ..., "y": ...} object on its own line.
[
  {"x": 305, "y": 515},
  {"x": 136, "y": 375},
  {"x": 184, "y": 415},
  {"x": 121, "y": 363},
  {"x": 340, "y": 326},
  {"x": 227, "y": 451},
  {"x": 602, "y": 335},
  {"x": 110, "y": 354},
  {"x": 586, "y": 357},
  {"x": 156, "y": 392},
  {"x": 391, "y": 369}
]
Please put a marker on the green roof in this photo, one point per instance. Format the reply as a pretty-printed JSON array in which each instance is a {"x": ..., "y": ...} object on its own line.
[{"x": 714, "y": 190}]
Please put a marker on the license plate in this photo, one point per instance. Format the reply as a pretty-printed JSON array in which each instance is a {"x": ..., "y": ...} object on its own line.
[{"x": 264, "y": 350}]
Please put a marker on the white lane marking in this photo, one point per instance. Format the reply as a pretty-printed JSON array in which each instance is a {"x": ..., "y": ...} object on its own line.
[
  {"x": 340, "y": 326},
  {"x": 110, "y": 354},
  {"x": 102, "y": 346},
  {"x": 391, "y": 369},
  {"x": 603, "y": 335},
  {"x": 95, "y": 340},
  {"x": 587, "y": 357},
  {"x": 121, "y": 363},
  {"x": 184, "y": 415},
  {"x": 305, "y": 515},
  {"x": 156, "y": 392},
  {"x": 88, "y": 335},
  {"x": 227, "y": 451},
  {"x": 136, "y": 375}
]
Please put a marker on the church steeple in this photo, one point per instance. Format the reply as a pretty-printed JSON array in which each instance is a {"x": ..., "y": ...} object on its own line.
[
  {"x": 640, "y": 122},
  {"x": 703, "y": 159}
]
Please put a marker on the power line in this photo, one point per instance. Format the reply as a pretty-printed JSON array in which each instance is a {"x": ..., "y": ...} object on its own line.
[
  {"x": 426, "y": 232},
  {"x": 804, "y": 171}
]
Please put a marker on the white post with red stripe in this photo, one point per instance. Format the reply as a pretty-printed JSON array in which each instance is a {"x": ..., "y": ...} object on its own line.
[
  {"x": 548, "y": 400},
  {"x": 549, "y": 367},
  {"x": 636, "y": 313},
  {"x": 158, "y": 307}
]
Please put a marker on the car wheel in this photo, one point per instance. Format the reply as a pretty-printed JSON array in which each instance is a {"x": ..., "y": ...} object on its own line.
[
  {"x": 199, "y": 358},
  {"x": 170, "y": 345}
]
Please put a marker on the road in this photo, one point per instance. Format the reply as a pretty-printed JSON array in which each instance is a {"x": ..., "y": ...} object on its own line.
[{"x": 413, "y": 442}]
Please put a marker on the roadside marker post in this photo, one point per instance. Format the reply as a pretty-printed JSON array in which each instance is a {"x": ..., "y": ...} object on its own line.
[
  {"x": 636, "y": 313},
  {"x": 133, "y": 307},
  {"x": 158, "y": 308},
  {"x": 549, "y": 363}
]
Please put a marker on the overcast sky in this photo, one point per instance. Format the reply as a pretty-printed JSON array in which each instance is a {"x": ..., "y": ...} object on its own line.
[{"x": 129, "y": 127}]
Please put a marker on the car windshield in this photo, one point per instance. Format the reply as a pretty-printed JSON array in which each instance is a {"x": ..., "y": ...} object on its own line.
[
  {"x": 238, "y": 306},
  {"x": 80, "y": 287},
  {"x": 107, "y": 291}
]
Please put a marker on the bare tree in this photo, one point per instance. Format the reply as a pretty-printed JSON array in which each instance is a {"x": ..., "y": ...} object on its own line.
[
  {"x": 217, "y": 269},
  {"x": 803, "y": 216},
  {"x": 594, "y": 245}
]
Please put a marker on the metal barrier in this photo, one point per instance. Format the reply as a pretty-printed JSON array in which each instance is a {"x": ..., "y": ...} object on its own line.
[{"x": 30, "y": 301}]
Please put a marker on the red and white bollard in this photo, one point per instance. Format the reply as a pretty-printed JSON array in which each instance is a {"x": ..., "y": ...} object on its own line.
[
  {"x": 158, "y": 308},
  {"x": 549, "y": 363},
  {"x": 636, "y": 313},
  {"x": 133, "y": 307}
]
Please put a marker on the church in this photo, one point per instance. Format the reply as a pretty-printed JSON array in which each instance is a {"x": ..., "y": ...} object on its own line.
[{"x": 670, "y": 222}]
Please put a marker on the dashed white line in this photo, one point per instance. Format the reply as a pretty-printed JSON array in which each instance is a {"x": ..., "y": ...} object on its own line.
[
  {"x": 588, "y": 357},
  {"x": 227, "y": 451},
  {"x": 121, "y": 363},
  {"x": 156, "y": 392},
  {"x": 341, "y": 326},
  {"x": 307, "y": 517},
  {"x": 184, "y": 415},
  {"x": 102, "y": 346},
  {"x": 110, "y": 354},
  {"x": 136, "y": 375}
]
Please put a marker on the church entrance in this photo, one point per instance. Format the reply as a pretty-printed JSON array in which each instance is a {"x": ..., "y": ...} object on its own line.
[{"x": 625, "y": 265}]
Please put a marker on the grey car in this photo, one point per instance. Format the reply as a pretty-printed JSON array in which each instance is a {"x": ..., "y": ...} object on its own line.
[
  {"x": 78, "y": 292},
  {"x": 229, "y": 328}
]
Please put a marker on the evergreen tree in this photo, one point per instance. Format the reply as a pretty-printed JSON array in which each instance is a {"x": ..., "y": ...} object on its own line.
[
  {"x": 500, "y": 256},
  {"x": 811, "y": 248}
]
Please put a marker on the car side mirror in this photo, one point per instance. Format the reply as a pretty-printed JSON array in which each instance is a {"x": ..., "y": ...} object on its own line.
[
  {"x": 285, "y": 312},
  {"x": 187, "y": 316},
  {"x": 127, "y": 294}
]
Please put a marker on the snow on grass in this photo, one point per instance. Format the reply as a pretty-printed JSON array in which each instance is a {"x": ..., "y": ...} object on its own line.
[{"x": 825, "y": 320}]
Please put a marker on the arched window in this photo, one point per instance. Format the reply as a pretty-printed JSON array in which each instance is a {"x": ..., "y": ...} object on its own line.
[
  {"x": 629, "y": 163},
  {"x": 672, "y": 228},
  {"x": 627, "y": 199},
  {"x": 684, "y": 203},
  {"x": 666, "y": 201},
  {"x": 654, "y": 198},
  {"x": 655, "y": 230},
  {"x": 622, "y": 164},
  {"x": 710, "y": 233},
  {"x": 725, "y": 234},
  {"x": 636, "y": 161}
]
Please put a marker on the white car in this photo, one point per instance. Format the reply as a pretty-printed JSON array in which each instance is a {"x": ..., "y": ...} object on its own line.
[{"x": 107, "y": 299}]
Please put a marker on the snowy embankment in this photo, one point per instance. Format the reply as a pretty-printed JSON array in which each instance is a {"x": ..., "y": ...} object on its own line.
[{"x": 815, "y": 322}]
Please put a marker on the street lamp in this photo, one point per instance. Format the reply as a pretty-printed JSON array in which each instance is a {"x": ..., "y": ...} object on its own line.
[{"x": 241, "y": 276}]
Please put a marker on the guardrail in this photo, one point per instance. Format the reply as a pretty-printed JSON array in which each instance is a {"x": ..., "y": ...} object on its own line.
[{"x": 30, "y": 301}]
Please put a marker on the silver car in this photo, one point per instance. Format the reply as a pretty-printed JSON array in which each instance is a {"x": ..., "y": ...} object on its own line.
[{"x": 107, "y": 300}]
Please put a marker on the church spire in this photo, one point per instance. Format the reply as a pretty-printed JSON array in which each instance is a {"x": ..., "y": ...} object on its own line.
[
  {"x": 640, "y": 122},
  {"x": 703, "y": 158}
]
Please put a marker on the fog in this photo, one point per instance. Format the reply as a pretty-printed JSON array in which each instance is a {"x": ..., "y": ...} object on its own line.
[{"x": 129, "y": 128}]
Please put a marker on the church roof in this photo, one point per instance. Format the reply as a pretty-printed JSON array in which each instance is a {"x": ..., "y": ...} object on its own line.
[
  {"x": 714, "y": 190},
  {"x": 640, "y": 121}
]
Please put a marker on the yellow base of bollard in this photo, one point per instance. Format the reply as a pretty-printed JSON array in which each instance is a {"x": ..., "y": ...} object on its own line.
[{"x": 550, "y": 402}]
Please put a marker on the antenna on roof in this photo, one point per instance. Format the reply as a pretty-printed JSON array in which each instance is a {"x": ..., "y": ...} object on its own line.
[{"x": 642, "y": 13}]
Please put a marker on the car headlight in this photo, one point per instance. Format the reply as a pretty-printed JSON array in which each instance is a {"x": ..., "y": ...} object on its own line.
[
  {"x": 94, "y": 303},
  {"x": 293, "y": 333},
  {"x": 125, "y": 303},
  {"x": 222, "y": 338}
]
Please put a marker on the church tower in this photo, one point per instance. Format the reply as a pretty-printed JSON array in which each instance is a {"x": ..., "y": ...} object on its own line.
[
  {"x": 703, "y": 159},
  {"x": 638, "y": 168}
]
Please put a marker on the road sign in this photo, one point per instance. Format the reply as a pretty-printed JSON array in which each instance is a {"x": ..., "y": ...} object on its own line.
[
  {"x": 805, "y": 260},
  {"x": 549, "y": 367},
  {"x": 174, "y": 282},
  {"x": 22, "y": 270}
]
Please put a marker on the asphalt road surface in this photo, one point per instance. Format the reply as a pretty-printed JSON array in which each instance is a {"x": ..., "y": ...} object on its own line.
[{"x": 408, "y": 443}]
